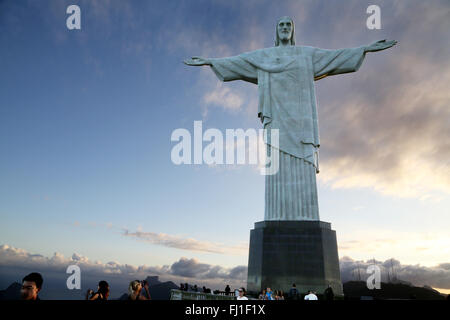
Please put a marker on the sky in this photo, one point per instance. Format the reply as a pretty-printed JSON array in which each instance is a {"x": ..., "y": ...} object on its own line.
[{"x": 86, "y": 118}]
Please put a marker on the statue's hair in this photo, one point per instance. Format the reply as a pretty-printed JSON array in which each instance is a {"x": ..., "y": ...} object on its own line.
[{"x": 277, "y": 38}]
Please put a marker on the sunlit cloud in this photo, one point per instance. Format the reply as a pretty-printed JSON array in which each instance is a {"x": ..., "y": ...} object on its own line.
[
  {"x": 223, "y": 96},
  {"x": 400, "y": 149},
  {"x": 184, "y": 243},
  {"x": 426, "y": 247}
]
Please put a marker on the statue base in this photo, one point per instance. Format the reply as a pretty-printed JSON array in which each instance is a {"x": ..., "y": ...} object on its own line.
[{"x": 287, "y": 252}]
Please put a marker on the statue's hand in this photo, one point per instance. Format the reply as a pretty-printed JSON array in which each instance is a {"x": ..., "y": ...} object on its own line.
[
  {"x": 197, "y": 61},
  {"x": 380, "y": 45}
]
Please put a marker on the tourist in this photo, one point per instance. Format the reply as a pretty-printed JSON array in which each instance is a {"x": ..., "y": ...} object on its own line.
[
  {"x": 311, "y": 296},
  {"x": 134, "y": 290},
  {"x": 31, "y": 286},
  {"x": 262, "y": 295},
  {"x": 101, "y": 294},
  {"x": 275, "y": 295},
  {"x": 241, "y": 295},
  {"x": 269, "y": 294},
  {"x": 293, "y": 292},
  {"x": 227, "y": 290},
  {"x": 329, "y": 294},
  {"x": 145, "y": 293}
]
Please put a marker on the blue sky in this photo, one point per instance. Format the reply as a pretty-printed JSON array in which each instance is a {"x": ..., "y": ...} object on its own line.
[{"x": 86, "y": 118}]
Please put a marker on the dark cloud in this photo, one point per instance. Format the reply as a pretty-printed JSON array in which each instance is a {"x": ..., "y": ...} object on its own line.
[
  {"x": 383, "y": 126},
  {"x": 189, "y": 268},
  {"x": 239, "y": 272}
]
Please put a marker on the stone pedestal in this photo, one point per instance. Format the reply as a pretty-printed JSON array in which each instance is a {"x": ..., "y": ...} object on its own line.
[{"x": 287, "y": 252}]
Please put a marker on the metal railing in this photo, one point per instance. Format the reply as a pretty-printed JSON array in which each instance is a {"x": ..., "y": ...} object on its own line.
[{"x": 176, "y": 294}]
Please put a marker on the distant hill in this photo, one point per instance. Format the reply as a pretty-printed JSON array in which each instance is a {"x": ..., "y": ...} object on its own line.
[
  {"x": 162, "y": 291},
  {"x": 158, "y": 290},
  {"x": 12, "y": 292},
  {"x": 354, "y": 290},
  {"x": 153, "y": 280}
]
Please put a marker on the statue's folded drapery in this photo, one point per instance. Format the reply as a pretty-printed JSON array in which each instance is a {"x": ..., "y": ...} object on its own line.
[{"x": 285, "y": 77}]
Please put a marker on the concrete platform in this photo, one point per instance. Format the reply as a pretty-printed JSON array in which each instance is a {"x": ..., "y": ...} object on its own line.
[{"x": 300, "y": 252}]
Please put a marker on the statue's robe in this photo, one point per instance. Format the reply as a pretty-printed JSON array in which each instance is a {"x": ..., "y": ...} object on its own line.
[{"x": 287, "y": 102}]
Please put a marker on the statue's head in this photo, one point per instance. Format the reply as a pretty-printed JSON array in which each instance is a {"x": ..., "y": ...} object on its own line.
[{"x": 285, "y": 31}]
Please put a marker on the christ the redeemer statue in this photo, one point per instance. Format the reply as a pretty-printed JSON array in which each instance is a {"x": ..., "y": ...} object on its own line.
[{"x": 285, "y": 76}]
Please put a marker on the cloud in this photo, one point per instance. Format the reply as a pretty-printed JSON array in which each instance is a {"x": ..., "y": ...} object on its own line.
[
  {"x": 437, "y": 276},
  {"x": 223, "y": 96},
  {"x": 182, "y": 243},
  {"x": 400, "y": 150},
  {"x": 207, "y": 38},
  {"x": 14, "y": 260},
  {"x": 230, "y": 97},
  {"x": 193, "y": 271},
  {"x": 15, "y": 257},
  {"x": 406, "y": 246},
  {"x": 191, "y": 268},
  {"x": 383, "y": 126}
]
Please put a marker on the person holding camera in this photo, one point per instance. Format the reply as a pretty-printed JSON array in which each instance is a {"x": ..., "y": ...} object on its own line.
[
  {"x": 135, "y": 289},
  {"x": 145, "y": 293},
  {"x": 101, "y": 294}
]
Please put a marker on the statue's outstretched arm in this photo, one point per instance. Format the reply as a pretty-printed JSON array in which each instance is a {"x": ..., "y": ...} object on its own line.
[
  {"x": 228, "y": 68},
  {"x": 197, "y": 61},
  {"x": 380, "y": 45}
]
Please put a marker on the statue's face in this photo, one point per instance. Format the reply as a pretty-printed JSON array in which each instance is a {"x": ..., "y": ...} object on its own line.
[{"x": 285, "y": 29}]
